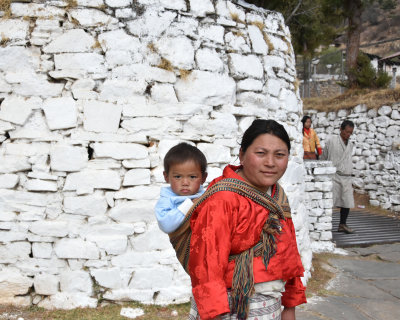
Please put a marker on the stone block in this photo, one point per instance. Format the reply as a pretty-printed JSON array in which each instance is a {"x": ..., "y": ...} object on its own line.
[
  {"x": 101, "y": 116},
  {"x": 76, "y": 249},
  {"x": 108, "y": 278},
  {"x": 46, "y": 284}
]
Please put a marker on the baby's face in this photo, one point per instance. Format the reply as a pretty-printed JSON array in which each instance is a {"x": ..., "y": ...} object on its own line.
[{"x": 185, "y": 178}]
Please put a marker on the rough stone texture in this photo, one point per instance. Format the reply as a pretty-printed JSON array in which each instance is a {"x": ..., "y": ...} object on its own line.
[
  {"x": 92, "y": 96},
  {"x": 376, "y": 159}
]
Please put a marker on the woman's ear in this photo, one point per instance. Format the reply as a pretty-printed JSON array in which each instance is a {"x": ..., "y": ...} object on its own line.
[{"x": 241, "y": 154}]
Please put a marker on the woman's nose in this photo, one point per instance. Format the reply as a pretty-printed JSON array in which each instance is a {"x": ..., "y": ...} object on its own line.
[{"x": 269, "y": 160}]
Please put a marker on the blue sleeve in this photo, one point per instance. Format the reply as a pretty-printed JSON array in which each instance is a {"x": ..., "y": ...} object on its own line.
[{"x": 168, "y": 215}]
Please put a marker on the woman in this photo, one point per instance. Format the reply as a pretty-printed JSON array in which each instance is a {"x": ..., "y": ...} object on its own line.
[
  {"x": 310, "y": 140},
  {"x": 243, "y": 260}
]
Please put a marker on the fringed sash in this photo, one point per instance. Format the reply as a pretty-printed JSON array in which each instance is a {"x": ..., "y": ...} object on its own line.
[{"x": 243, "y": 280}]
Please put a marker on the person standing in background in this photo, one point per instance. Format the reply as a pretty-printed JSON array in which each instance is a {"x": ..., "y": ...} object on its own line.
[
  {"x": 310, "y": 140},
  {"x": 339, "y": 150}
]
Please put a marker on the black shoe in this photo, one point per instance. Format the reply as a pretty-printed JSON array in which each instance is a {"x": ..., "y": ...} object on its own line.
[{"x": 344, "y": 228}]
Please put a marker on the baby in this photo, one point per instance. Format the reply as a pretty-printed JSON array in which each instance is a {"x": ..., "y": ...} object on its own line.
[{"x": 185, "y": 170}]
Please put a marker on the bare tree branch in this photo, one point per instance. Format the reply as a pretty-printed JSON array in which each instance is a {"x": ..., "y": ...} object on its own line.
[{"x": 294, "y": 11}]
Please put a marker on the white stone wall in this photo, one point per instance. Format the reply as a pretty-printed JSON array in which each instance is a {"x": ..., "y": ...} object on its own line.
[
  {"x": 376, "y": 160},
  {"x": 319, "y": 203},
  {"x": 93, "y": 93}
]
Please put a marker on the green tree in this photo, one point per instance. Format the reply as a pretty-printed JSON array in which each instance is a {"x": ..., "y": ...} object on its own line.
[{"x": 315, "y": 23}]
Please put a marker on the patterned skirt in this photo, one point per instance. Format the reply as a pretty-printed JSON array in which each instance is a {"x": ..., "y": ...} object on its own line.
[{"x": 261, "y": 307}]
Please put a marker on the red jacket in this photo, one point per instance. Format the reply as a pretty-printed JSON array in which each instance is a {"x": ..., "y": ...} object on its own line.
[{"x": 227, "y": 223}]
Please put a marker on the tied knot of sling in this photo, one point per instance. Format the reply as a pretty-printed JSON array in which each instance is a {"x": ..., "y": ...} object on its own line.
[{"x": 243, "y": 279}]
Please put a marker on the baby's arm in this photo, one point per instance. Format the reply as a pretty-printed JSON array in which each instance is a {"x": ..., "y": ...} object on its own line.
[{"x": 170, "y": 212}]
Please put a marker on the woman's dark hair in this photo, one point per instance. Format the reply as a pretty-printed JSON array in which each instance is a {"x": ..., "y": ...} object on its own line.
[
  {"x": 347, "y": 123},
  {"x": 183, "y": 152},
  {"x": 305, "y": 118},
  {"x": 261, "y": 126}
]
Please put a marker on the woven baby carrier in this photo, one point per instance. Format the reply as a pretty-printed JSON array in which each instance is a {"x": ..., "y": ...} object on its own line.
[{"x": 243, "y": 281}]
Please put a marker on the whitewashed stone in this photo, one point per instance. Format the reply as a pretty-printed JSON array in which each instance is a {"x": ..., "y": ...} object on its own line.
[
  {"x": 250, "y": 85},
  {"x": 274, "y": 87},
  {"x": 201, "y": 7},
  {"x": 8, "y": 181},
  {"x": 257, "y": 40},
  {"x": 86, "y": 62},
  {"x": 68, "y": 301},
  {"x": 253, "y": 100},
  {"x": 245, "y": 66},
  {"x": 111, "y": 244},
  {"x": 119, "y": 151},
  {"x": 61, "y": 113},
  {"x": 27, "y": 149},
  {"x": 13, "y": 283},
  {"x": 382, "y": 121},
  {"x": 178, "y": 50},
  {"x": 46, "y": 284},
  {"x": 174, "y": 4},
  {"x": 101, "y": 116},
  {"x": 206, "y": 88},
  {"x": 13, "y": 29},
  {"x": 35, "y": 10},
  {"x": 163, "y": 93},
  {"x": 75, "y": 40},
  {"x": 14, "y": 251},
  {"x": 151, "y": 23},
  {"x": 41, "y": 185},
  {"x": 290, "y": 100},
  {"x": 76, "y": 249},
  {"x": 116, "y": 58},
  {"x": 30, "y": 84},
  {"x": 11, "y": 163},
  {"x": 136, "y": 177},
  {"x": 95, "y": 179},
  {"x": 138, "y": 193},
  {"x": 68, "y": 158},
  {"x": 385, "y": 111},
  {"x": 133, "y": 211},
  {"x": 209, "y": 60},
  {"x": 109, "y": 278},
  {"x": 49, "y": 228},
  {"x": 395, "y": 115},
  {"x": 118, "y": 3},
  {"x": 75, "y": 281},
  {"x": 92, "y": 17},
  {"x": 221, "y": 125},
  {"x": 141, "y": 108},
  {"x": 153, "y": 239},
  {"x": 136, "y": 258},
  {"x": 91, "y": 205},
  {"x": 121, "y": 89},
  {"x": 212, "y": 33},
  {"x": 144, "y": 72},
  {"x": 151, "y": 125},
  {"x": 161, "y": 277},
  {"x": 236, "y": 43},
  {"x": 215, "y": 153},
  {"x": 42, "y": 250},
  {"x": 83, "y": 89},
  {"x": 16, "y": 110}
]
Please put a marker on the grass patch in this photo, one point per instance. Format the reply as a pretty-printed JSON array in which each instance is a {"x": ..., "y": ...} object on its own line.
[
  {"x": 109, "y": 312},
  {"x": 371, "y": 98},
  {"x": 320, "y": 276}
]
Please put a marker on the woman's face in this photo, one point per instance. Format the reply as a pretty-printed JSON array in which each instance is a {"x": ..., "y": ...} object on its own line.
[
  {"x": 307, "y": 124},
  {"x": 264, "y": 162}
]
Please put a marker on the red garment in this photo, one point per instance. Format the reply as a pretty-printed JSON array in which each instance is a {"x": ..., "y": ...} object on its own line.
[{"x": 227, "y": 223}]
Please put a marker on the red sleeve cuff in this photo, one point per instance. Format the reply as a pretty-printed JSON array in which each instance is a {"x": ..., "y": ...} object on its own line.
[
  {"x": 319, "y": 151},
  {"x": 211, "y": 299},
  {"x": 295, "y": 293}
]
